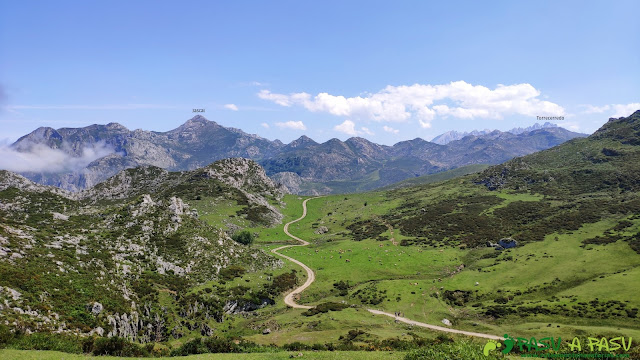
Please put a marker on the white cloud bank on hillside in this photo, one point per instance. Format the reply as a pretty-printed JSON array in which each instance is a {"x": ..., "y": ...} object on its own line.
[{"x": 41, "y": 158}]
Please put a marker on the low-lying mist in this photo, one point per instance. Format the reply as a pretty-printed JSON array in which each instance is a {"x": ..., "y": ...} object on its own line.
[{"x": 43, "y": 159}]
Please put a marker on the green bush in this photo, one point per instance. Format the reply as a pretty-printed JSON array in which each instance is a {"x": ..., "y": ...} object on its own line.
[
  {"x": 5, "y": 335},
  {"x": 324, "y": 308},
  {"x": 231, "y": 272},
  {"x": 220, "y": 345},
  {"x": 243, "y": 237},
  {"x": 45, "y": 341},
  {"x": 192, "y": 347},
  {"x": 114, "y": 346}
]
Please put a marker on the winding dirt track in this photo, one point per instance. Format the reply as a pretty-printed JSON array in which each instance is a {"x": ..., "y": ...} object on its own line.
[{"x": 289, "y": 299}]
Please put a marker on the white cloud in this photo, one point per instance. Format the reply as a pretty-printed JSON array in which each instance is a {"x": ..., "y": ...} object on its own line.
[
  {"x": 613, "y": 110},
  {"x": 348, "y": 127},
  {"x": 231, "y": 107},
  {"x": 294, "y": 125},
  {"x": 625, "y": 110},
  {"x": 425, "y": 102},
  {"x": 366, "y": 131},
  {"x": 41, "y": 158},
  {"x": 390, "y": 129},
  {"x": 265, "y": 125}
]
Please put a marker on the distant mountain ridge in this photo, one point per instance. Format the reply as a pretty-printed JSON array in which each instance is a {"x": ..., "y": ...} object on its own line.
[
  {"x": 453, "y": 135},
  {"x": 304, "y": 166}
]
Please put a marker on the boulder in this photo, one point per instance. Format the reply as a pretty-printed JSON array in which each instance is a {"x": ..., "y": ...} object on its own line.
[
  {"x": 508, "y": 243},
  {"x": 95, "y": 308},
  {"x": 322, "y": 230}
]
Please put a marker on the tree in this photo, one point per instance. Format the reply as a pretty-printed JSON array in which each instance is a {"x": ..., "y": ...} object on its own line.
[{"x": 243, "y": 237}]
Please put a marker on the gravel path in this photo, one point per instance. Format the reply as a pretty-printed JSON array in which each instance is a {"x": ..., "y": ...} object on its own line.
[{"x": 289, "y": 299}]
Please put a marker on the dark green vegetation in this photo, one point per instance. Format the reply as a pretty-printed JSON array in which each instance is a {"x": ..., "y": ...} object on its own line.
[{"x": 243, "y": 237}]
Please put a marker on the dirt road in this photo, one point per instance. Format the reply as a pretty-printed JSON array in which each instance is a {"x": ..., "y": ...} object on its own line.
[{"x": 289, "y": 299}]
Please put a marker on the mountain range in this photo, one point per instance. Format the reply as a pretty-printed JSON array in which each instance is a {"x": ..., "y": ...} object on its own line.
[
  {"x": 302, "y": 166},
  {"x": 449, "y": 136}
]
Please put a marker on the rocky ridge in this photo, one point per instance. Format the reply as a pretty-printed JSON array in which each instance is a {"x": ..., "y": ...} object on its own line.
[
  {"x": 334, "y": 166},
  {"x": 99, "y": 261}
]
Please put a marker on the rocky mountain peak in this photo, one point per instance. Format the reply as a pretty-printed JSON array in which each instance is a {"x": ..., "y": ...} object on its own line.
[
  {"x": 195, "y": 122},
  {"x": 198, "y": 119},
  {"x": 302, "y": 141},
  {"x": 116, "y": 126},
  {"x": 40, "y": 135}
]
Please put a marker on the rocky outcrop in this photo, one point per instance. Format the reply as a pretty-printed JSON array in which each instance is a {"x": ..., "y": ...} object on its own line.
[
  {"x": 505, "y": 243},
  {"x": 322, "y": 230}
]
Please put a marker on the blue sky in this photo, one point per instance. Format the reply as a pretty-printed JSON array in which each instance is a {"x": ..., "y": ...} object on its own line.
[{"x": 386, "y": 71}]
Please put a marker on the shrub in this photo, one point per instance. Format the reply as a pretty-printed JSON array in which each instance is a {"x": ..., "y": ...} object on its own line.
[
  {"x": 45, "y": 341},
  {"x": 5, "y": 335},
  {"x": 243, "y": 237},
  {"x": 325, "y": 307},
  {"x": 220, "y": 345},
  {"x": 231, "y": 272},
  {"x": 117, "y": 346},
  {"x": 191, "y": 347}
]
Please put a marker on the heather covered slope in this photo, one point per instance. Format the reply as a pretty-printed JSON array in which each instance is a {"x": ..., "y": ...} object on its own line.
[{"x": 124, "y": 258}]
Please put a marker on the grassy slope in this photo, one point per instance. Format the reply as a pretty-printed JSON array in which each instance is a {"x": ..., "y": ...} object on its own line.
[
  {"x": 584, "y": 289},
  {"x": 396, "y": 269},
  {"x": 437, "y": 177}
]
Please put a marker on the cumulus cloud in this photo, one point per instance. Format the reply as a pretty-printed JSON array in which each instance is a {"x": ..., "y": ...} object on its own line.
[
  {"x": 613, "y": 110},
  {"x": 426, "y": 102},
  {"x": 231, "y": 107},
  {"x": 294, "y": 125},
  {"x": 389, "y": 129},
  {"x": 265, "y": 125},
  {"x": 347, "y": 127},
  {"x": 41, "y": 158}
]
